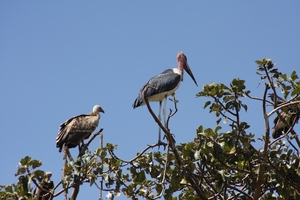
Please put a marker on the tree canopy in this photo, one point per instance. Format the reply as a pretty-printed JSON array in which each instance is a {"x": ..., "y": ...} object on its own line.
[{"x": 217, "y": 164}]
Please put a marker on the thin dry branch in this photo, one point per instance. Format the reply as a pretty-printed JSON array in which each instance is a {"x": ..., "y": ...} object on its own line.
[
  {"x": 257, "y": 190},
  {"x": 133, "y": 159},
  {"x": 259, "y": 99},
  {"x": 282, "y": 106},
  {"x": 84, "y": 148},
  {"x": 101, "y": 178},
  {"x": 224, "y": 107}
]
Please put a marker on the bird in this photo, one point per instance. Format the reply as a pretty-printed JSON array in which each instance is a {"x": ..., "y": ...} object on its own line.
[
  {"x": 159, "y": 87},
  {"x": 290, "y": 116},
  {"x": 78, "y": 128},
  {"x": 46, "y": 184}
]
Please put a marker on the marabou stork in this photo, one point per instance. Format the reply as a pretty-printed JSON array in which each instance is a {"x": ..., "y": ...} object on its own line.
[
  {"x": 290, "y": 116},
  {"x": 163, "y": 85},
  {"x": 78, "y": 128}
]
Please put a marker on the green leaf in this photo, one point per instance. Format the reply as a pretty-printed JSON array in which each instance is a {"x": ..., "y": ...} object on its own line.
[
  {"x": 38, "y": 174},
  {"x": 25, "y": 161},
  {"x": 21, "y": 170},
  {"x": 217, "y": 129},
  {"x": 207, "y": 104},
  {"x": 197, "y": 155},
  {"x": 200, "y": 129},
  {"x": 219, "y": 120},
  {"x": 35, "y": 163},
  {"x": 294, "y": 76},
  {"x": 295, "y": 92},
  {"x": 244, "y": 106},
  {"x": 284, "y": 77},
  {"x": 232, "y": 150}
]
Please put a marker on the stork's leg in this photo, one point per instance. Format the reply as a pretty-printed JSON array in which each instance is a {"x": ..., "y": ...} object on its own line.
[
  {"x": 159, "y": 130},
  {"x": 164, "y": 111}
]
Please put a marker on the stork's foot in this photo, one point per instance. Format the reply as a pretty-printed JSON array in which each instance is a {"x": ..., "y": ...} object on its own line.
[
  {"x": 160, "y": 143},
  {"x": 173, "y": 137}
]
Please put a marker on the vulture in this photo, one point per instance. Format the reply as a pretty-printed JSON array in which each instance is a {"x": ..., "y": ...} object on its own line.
[
  {"x": 78, "y": 128},
  {"x": 290, "y": 115}
]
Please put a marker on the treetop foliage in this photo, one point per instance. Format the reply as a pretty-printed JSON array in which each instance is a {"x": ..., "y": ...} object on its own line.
[{"x": 216, "y": 164}]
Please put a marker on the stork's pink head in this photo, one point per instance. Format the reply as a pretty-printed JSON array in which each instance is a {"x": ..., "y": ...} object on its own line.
[{"x": 183, "y": 64}]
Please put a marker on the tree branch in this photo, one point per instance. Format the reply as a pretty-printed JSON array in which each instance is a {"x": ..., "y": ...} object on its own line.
[
  {"x": 257, "y": 190},
  {"x": 84, "y": 148},
  {"x": 170, "y": 139}
]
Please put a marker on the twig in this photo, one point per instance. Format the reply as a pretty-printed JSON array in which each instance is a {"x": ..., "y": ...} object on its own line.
[
  {"x": 172, "y": 114},
  {"x": 63, "y": 190},
  {"x": 217, "y": 100},
  {"x": 60, "y": 182},
  {"x": 281, "y": 106},
  {"x": 133, "y": 159},
  {"x": 82, "y": 150},
  {"x": 225, "y": 116}
]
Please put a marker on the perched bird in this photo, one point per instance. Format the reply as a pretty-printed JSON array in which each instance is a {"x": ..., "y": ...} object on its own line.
[
  {"x": 290, "y": 116},
  {"x": 46, "y": 184},
  {"x": 78, "y": 128},
  {"x": 163, "y": 85}
]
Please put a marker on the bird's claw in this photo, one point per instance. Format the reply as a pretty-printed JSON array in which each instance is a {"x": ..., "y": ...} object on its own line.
[
  {"x": 173, "y": 137},
  {"x": 160, "y": 143}
]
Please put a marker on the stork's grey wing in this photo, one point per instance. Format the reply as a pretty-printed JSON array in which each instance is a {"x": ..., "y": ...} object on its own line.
[{"x": 166, "y": 81}]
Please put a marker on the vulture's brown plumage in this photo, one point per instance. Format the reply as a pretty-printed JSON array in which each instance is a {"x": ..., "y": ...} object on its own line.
[
  {"x": 290, "y": 116},
  {"x": 78, "y": 128}
]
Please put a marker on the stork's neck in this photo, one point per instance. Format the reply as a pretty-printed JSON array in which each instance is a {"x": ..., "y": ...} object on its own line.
[{"x": 180, "y": 66}]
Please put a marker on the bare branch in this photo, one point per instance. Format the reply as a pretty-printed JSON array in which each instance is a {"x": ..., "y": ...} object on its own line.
[
  {"x": 282, "y": 106},
  {"x": 257, "y": 190},
  {"x": 219, "y": 102},
  {"x": 101, "y": 178},
  {"x": 139, "y": 155},
  {"x": 84, "y": 148}
]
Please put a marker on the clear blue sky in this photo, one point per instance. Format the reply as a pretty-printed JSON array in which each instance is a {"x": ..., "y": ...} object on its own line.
[{"x": 60, "y": 58}]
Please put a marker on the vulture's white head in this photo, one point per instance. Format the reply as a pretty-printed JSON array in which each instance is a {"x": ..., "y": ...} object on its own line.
[{"x": 97, "y": 109}]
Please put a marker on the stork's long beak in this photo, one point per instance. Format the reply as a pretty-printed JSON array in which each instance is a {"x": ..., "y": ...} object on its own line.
[{"x": 189, "y": 71}]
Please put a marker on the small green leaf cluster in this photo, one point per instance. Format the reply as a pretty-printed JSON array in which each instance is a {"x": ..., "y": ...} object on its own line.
[
  {"x": 23, "y": 188},
  {"x": 289, "y": 85},
  {"x": 226, "y": 99}
]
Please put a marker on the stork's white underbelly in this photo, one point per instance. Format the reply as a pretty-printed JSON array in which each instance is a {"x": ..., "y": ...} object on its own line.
[{"x": 161, "y": 96}]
